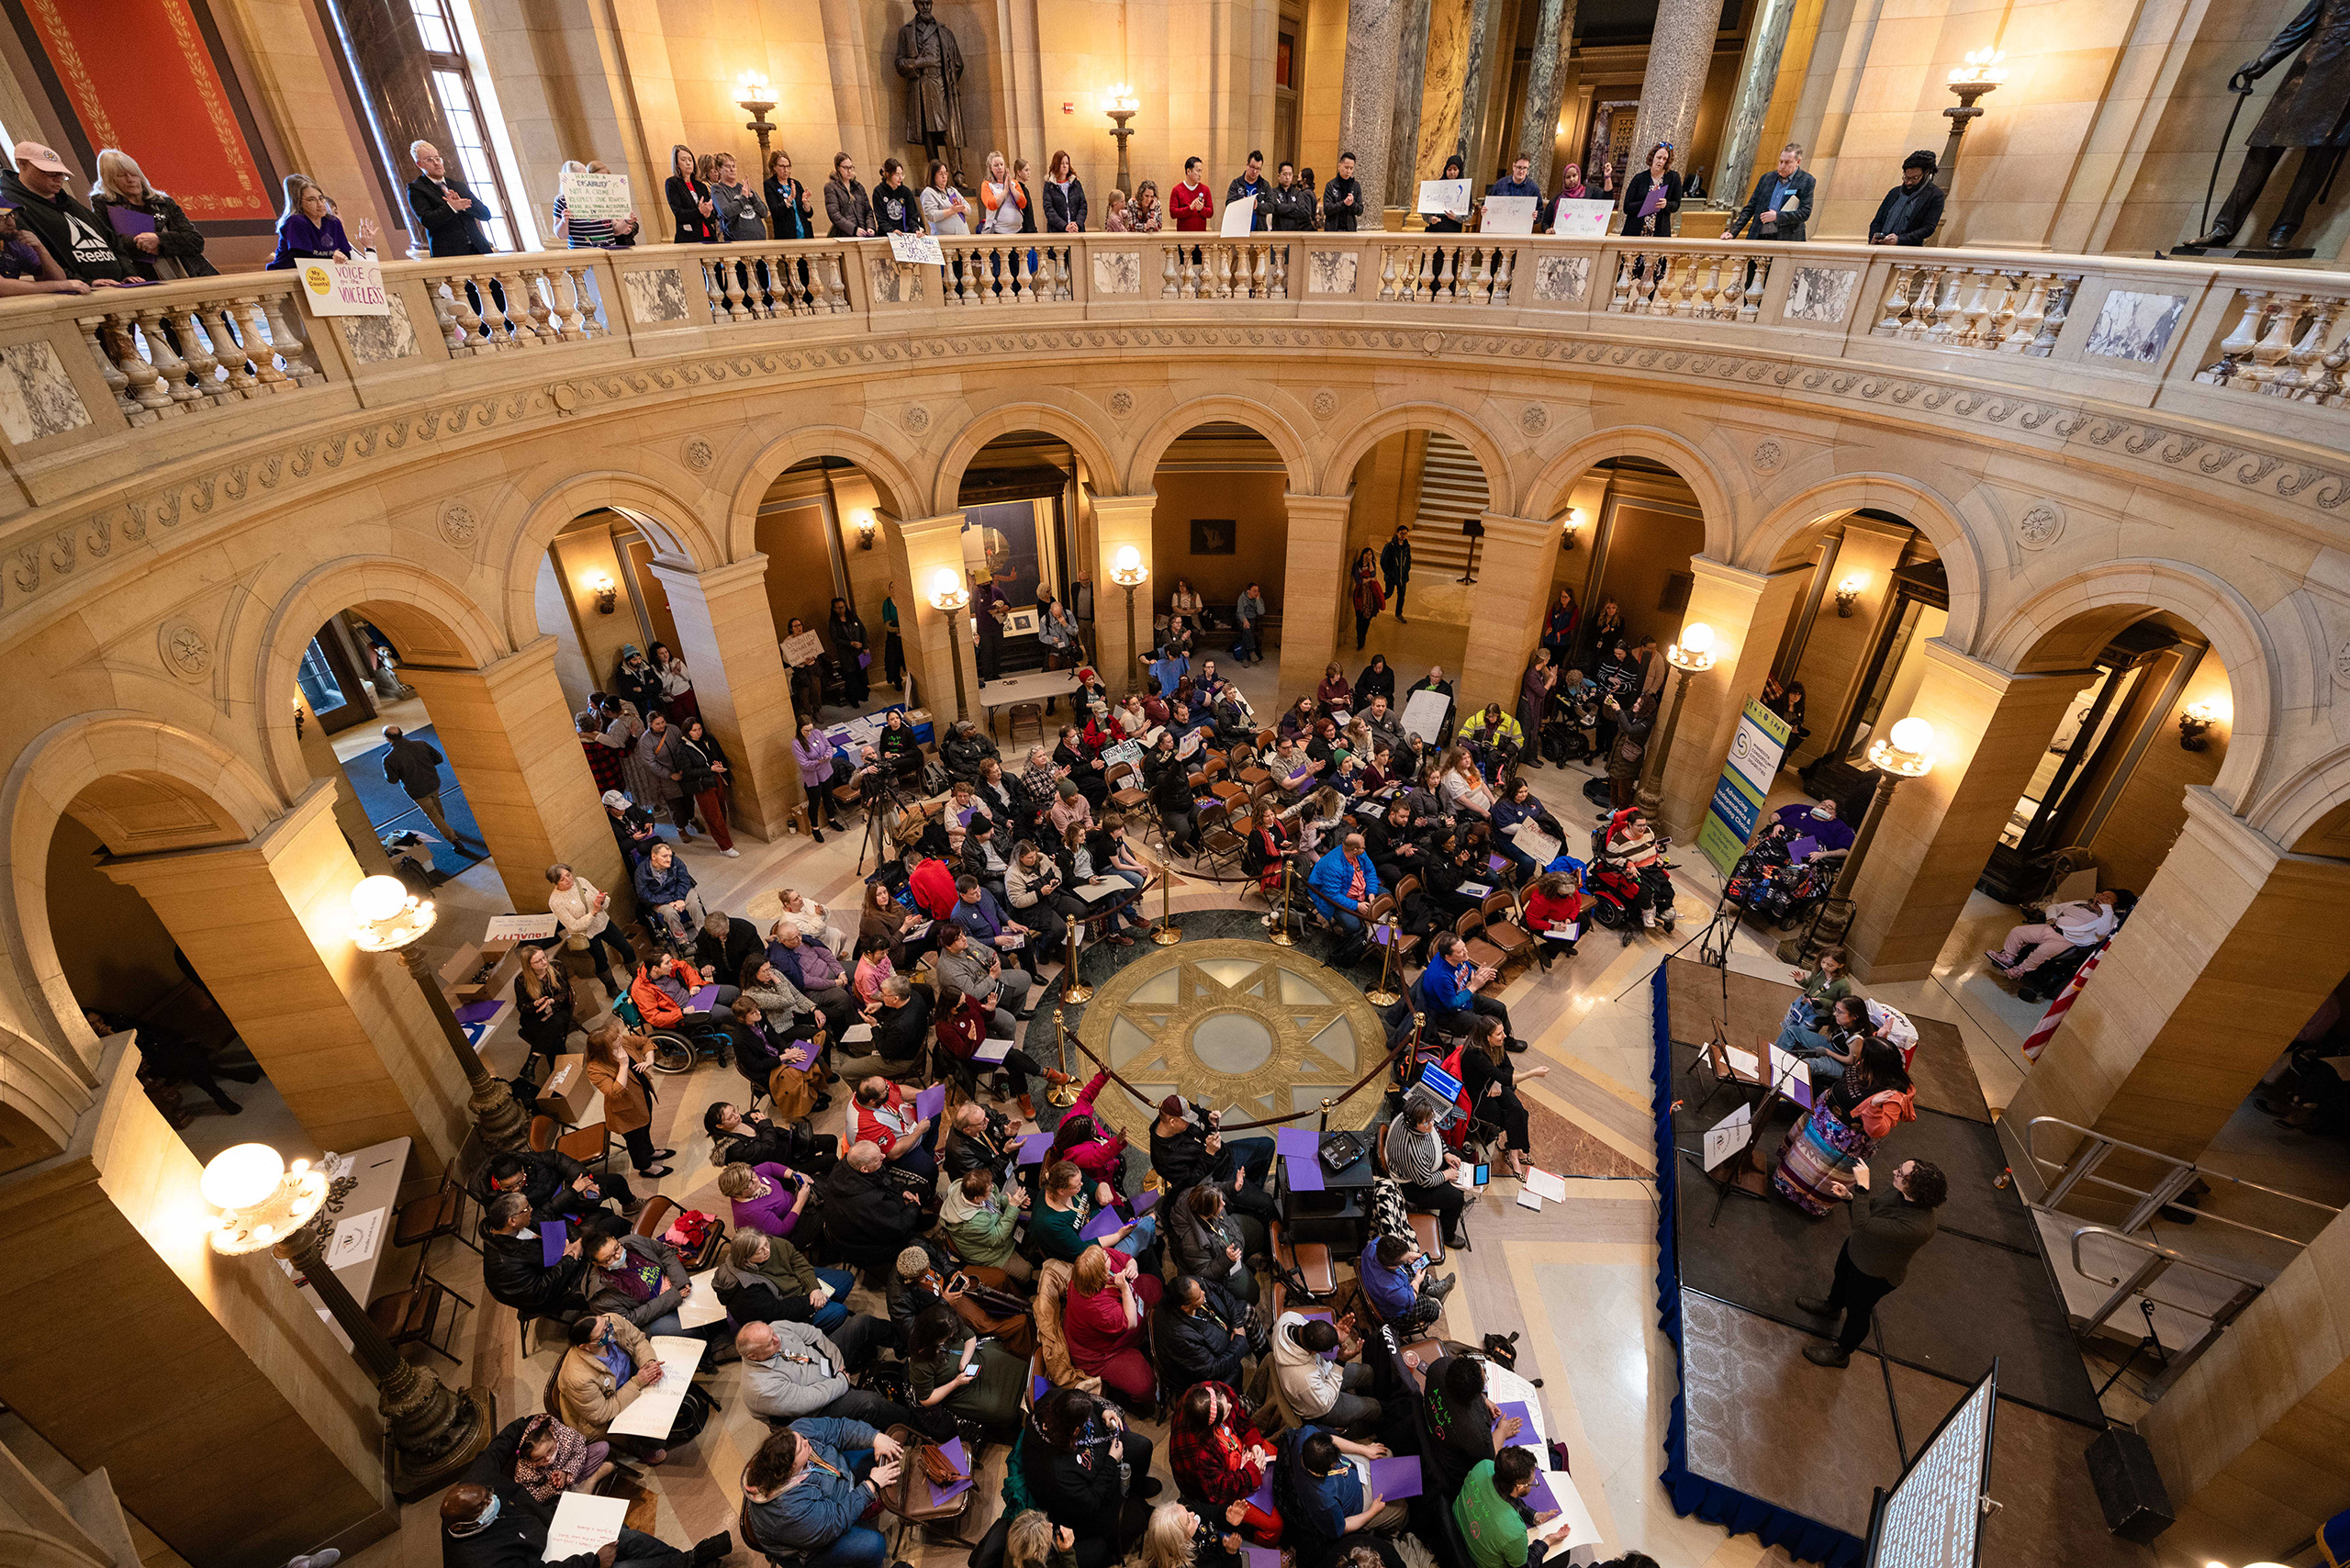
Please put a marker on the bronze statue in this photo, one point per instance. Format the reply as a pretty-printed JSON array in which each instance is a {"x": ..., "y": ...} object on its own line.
[
  {"x": 2310, "y": 111},
  {"x": 931, "y": 62}
]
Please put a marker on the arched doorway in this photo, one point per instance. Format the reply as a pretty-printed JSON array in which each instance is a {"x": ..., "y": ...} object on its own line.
[{"x": 1429, "y": 488}]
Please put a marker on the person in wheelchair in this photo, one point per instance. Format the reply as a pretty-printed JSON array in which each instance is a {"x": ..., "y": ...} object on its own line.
[
  {"x": 2081, "y": 923},
  {"x": 663, "y": 995}
]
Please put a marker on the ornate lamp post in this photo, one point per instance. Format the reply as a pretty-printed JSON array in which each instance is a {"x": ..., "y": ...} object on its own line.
[
  {"x": 1694, "y": 655},
  {"x": 948, "y": 596},
  {"x": 435, "y": 1434},
  {"x": 1120, "y": 104},
  {"x": 1128, "y": 572},
  {"x": 387, "y": 918},
  {"x": 1980, "y": 74},
  {"x": 1905, "y": 752},
  {"x": 757, "y": 99}
]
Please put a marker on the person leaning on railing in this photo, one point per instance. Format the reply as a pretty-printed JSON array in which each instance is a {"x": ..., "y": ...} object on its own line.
[
  {"x": 26, "y": 266},
  {"x": 69, "y": 232},
  {"x": 589, "y": 234},
  {"x": 307, "y": 229},
  {"x": 130, "y": 210}
]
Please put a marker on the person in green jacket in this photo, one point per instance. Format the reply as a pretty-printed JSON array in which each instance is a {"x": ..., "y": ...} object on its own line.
[
  {"x": 1494, "y": 1517},
  {"x": 983, "y": 1224}
]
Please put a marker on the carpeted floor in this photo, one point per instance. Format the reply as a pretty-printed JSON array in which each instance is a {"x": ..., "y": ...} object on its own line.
[{"x": 389, "y": 806}]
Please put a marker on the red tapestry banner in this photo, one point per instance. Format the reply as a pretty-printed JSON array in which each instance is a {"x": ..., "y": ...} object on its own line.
[{"x": 139, "y": 77}]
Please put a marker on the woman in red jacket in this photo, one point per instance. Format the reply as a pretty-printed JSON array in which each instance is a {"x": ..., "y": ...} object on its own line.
[
  {"x": 1082, "y": 1138},
  {"x": 1553, "y": 900},
  {"x": 1220, "y": 1457}
]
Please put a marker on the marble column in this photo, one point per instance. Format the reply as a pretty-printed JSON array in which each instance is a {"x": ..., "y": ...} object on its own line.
[
  {"x": 1757, "y": 77},
  {"x": 727, "y": 637},
  {"x": 1313, "y": 588},
  {"x": 242, "y": 1432},
  {"x": 2234, "y": 943},
  {"x": 1476, "y": 69},
  {"x": 346, "y": 1036},
  {"x": 1546, "y": 82},
  {"x": 933, "y": 545},
  {"x": 1681, "y": 47},
  {"x": 1119, "y": 521},
  {"x": 506, "y": 729},
  {"x": 1991, "y": 728},
  {"x": 1506, "y": 608},
  {"x": 1367, "y": 105},
  {"x": 1410, "y": 71},
  {"x": 2254, "y": 1441},
  {"x": 1746, "y": 611}
]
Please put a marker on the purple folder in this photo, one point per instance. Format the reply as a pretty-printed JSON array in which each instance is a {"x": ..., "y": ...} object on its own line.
[
  {"x": 1304, "y": 1173},
  {"x": 1297, "y": 1140},
  {"x": 1497, "y": 863},
  {"x": 1525, "y": 1437},
  {"x": 1384, "y": 934},
  {"x": 703, "y": 1000},
  {"x": 1034, "y": 1146},
  {"x": 1039, "y": 1386},
  {"x": 931, "y": 1101},
  {"x": 1796, "y": 1090},
  {"x": 1260, "y": 1557},
  {"x": 552, "y": 1240},
  {"x": 940, "y": 1496},
  {"x": 479, "y": 1011},
  {"x": 1396, "y": 1478},
  {"x": 1263, "y": 1495},
  {"x": 1102, "y": 1225},
  {"x": 1542, "y": 1500},
  {"x": 1146, "y": 1202}
]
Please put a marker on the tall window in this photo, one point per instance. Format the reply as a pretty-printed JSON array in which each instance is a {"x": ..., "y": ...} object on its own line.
[{"x": 452, "y": 92}]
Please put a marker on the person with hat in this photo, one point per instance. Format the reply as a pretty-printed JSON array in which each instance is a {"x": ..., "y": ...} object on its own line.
[
  {"x": 69, "y": 232},
  {"x": 1911, "y": 210},
  {"x": 634, "y": 828}
]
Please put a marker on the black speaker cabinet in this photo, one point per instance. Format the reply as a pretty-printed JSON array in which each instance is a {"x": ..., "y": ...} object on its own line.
[{"x": 2128, "y": 1489}]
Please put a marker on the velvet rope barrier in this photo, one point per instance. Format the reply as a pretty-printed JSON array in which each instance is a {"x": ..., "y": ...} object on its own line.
[{"x": 1406, "y": 1043}]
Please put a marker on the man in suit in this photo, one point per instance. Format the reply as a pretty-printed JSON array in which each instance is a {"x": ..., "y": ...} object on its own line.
[
  {"x": 1898, "y": 1221},
  {"x": 452, "y": 215},
  {"x": 1768, "y": 211}
]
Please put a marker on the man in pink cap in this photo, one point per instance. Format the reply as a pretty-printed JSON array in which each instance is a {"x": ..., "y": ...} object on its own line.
[{"x": 69, "y": 233}]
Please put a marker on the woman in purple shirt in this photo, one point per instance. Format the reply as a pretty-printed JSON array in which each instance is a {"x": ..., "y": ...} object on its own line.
[
  {"x": 766, "y": 1198},
  {"x": 308, "y": 231},
  {"x": 812, "y": 750}
]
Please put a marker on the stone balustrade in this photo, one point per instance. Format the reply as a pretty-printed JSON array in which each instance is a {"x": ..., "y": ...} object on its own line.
[{"x": 2184, "y": 339}]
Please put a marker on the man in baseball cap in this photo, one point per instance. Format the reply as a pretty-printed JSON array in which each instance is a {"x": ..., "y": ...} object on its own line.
[{"x": 80, "y": 241}]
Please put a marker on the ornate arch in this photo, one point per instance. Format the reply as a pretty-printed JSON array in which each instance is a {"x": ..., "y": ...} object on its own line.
[
  {"x": 47, "y": 1056},
  {"x": 2193, "y": 594},
  {"x": 1054, "y": 419},
  {"x": 1255, "y": 413},
  {"x": 889, "y": 468},
  {"x": 1927, "y": 509},
  {"x": 535, "y": 516},
  {"x": 1501, "y": 483},
  {"x": 431, "y": 620},
  {"x": 2310, "y": 812},
  {"x": 1546, "y": 494}
]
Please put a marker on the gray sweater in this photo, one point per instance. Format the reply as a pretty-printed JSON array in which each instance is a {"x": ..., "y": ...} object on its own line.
[
  {"x": 803, "y": 1377},
  {"x": 1415, "y": 1159}
]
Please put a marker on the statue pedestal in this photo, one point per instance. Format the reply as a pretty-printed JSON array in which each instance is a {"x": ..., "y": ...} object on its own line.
[{"x": 2244, "y": 253}]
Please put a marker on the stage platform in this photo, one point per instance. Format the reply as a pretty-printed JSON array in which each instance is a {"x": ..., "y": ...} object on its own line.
[{"x": 1761, "y": 1440}]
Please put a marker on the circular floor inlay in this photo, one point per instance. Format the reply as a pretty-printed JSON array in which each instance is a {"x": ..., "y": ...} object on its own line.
[{"x": 1232, "y": 1042}]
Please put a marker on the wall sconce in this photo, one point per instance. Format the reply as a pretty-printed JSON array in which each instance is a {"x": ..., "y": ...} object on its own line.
[
  {"x": 1849, "y": 591},
  {"x": 864, "y": 531},
  {"x": 301, "y": 717},
  {"x": 261, "y": 1202},
  {"x": 1574, "y": 525},
  {"x": 607, "y": 594},
  {"x": 2195, "y": 724}
]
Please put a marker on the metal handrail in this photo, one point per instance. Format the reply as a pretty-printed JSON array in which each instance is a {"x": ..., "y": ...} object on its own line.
[
  {"x": 2138, "y": 1284},
  {"x": 2082, "y": 1167},
  {"x": 2167, "y": 1255}
]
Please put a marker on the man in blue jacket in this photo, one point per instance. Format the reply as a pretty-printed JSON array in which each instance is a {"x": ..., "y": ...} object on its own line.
[
  {"x": 1448, "y": 985},
  {"x": 1343, "y": 884},
  {"x": 809, "y": 1486}
]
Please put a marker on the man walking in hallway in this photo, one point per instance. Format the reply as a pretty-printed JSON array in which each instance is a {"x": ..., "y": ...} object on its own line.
[
  {"x": 1396, "y": 565},
  {"x": 1899, "y": 1220},
  {"x": 415, "y": 766}
]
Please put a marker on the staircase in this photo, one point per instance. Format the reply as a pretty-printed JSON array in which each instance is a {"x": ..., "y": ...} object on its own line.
[{"x": 1452, "y": 487}]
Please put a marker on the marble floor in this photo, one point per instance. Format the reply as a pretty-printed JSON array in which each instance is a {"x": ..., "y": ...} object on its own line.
[{"x": 1576, "y": 1280}]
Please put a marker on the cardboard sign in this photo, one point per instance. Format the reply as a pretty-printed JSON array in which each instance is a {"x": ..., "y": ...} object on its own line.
[
  {"x": 1444, "y": 197},
  {"x": 804, "y": 649},
  {"x": 521, "y": 927},
  {"x": 1424, "y": 715},
  {"x": 593, "y": 195},
  {"x": 1581, "y": 219},
  {"x": 1509, "y": 215},
  {"x": 921, "y": 249},
  {"x": 343, "y": 288}
]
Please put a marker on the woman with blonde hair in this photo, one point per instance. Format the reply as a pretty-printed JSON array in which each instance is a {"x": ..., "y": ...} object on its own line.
[
  {"x": 1002, "y": 201},
  {"x": 307, "y": 229},
  {"x": 1463, "y": 787},
  {"x": 1179, "y": 1537},
  {"x": 1036, "y": 1542},
  {"x": 1106, "y": 1320},
  {"x": 169, "y": 246},
  {"x": 691, "y": 201}
]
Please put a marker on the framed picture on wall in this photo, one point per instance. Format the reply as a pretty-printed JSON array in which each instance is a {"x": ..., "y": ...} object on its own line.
[{"x": 1215, "y": 537}]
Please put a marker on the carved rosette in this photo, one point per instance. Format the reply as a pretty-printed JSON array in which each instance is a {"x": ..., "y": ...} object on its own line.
[
  {"x": 2040, "y": 527},
  {"x": 699, "y": 456},
  {"x": 186, "y": 653},
  {"x": 459, "y": 526}
]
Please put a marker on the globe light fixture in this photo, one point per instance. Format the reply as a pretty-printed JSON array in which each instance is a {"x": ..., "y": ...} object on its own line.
[
  {"x": 754, "y": 98},
  {"x": 1691, "y": 654},
  {"x": 260, "y": 1199},
  {"x": 1980, "y": 75},
  {"x": 948, "y": 596},
  {"x": 2195, "y": 723},
  {"x": 1907, "y": 749}
]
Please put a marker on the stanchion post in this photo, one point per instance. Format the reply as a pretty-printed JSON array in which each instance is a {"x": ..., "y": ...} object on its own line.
[
  {"x": 1061, "y": 1094},
  {"x": 1073, "y": 986},
  {"x": 1381, "y": 996},
  {"x": 1169, "y": 933},
  {"x": 1281, "y": 937}
]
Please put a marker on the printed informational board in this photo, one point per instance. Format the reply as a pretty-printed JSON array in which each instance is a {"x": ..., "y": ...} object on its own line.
[
  {"x": 1933, "y": 1515},
  {"x": 1444, "y": 196},
  {"x": 343, "y": 288},
  {"x": 1755, "y": 752},
  {"x": 920, "y": 249},
  {"x": 1509, "y": 215},
  {"x": 1581, "y": 219},
  {"x": 1423, "y": 714},
  {"x": 593, "y": 195},
  {"x": 519, "y": 928}
]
